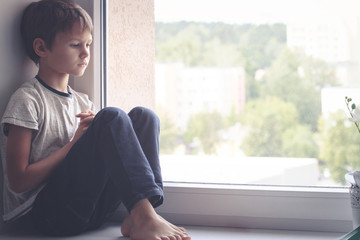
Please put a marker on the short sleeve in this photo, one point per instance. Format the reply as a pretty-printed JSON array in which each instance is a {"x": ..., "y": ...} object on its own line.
[{"x": 22, "y": 110}]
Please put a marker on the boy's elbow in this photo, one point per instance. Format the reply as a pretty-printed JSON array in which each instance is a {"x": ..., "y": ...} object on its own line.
[
  {"x": 17, "y": 186},
  {"x": 17, "y": 189}
]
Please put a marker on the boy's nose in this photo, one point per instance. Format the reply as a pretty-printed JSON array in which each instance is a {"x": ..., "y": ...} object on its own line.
[{"x": 85, "y": 52}]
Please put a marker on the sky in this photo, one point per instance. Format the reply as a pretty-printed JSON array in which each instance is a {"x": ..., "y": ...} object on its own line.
[{"x": 255, "y": 11}]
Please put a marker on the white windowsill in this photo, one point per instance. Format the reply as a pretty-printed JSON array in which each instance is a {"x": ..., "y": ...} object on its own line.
[
  {"x": 265, "y": 207},
  {"x": 111, "y": 230},
  {"x": 257, "y": 207}
]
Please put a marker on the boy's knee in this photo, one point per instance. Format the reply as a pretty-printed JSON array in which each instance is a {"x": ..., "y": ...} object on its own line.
[
  {"x": 110, "y": 113},
  {"x": 144, "y": 113}
]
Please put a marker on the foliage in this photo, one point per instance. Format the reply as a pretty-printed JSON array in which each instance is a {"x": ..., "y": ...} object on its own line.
[
  {"x": 269, "y": 120},
  {"x": 219, "y": 44},
  {"x": 282, "y": 109},
  {"x": 354, "y": 112},
  {"x": 299, "y": 141},
  {"x": 169, "y": 134},
  {"x": 340, "y": 146},
  {"x": 299, "y": 79},
  {"x": 205, "y": 126},
  {"x": 232, "y": 118}
]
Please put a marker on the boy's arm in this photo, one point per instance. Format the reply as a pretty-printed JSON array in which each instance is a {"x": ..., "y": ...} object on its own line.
[{"x": 24, "y": 176}]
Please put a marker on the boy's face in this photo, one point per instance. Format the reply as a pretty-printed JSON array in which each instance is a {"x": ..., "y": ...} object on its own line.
[{"x": 70, "y": 52}]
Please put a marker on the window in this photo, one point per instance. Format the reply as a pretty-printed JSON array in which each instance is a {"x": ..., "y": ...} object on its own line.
[
  {"x": 257, "y": 88},
  {"x": 220, "y": 202},
  {"x": 96, "y": 70}
]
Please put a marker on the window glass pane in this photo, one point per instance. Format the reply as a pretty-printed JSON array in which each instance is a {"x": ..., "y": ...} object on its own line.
[{"x": 253, "y": 92}]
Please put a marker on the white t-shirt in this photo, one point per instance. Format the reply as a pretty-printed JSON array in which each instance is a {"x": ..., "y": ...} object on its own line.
[{"x": 51, "y": 116}]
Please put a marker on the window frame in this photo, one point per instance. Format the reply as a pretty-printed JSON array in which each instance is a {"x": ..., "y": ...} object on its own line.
[
  {"x": 259, "y": 206},
  {"x": 93, "y": 81},
  {"x": 247, "y": 206}
]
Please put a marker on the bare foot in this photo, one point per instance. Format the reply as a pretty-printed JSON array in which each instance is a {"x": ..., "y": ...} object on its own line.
[
  {"x": 173, "y": 226},
  {"x": 126, "y": 226},
  {"x": 145, "y": 224},
  {"x": 155, "y": 228}
]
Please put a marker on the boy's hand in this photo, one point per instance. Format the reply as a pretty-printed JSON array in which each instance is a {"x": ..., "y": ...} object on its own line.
[
  {"x": 86, "y": 118},
  {"x": 85, "y": 114}
]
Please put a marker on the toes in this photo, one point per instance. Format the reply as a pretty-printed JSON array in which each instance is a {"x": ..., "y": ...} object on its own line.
[
  {"x": 187, "y": 237},
  {"x": 181, "y": 229},
  {"x": 177, "y": 237}
]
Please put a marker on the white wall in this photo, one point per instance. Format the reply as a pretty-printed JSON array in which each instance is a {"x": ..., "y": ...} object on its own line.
[
  {"x": 131, "y": 54},
  {"x": 14, "y": 65}
]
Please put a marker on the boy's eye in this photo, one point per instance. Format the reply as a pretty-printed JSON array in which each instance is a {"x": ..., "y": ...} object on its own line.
[{"x": 74, "y": 45}]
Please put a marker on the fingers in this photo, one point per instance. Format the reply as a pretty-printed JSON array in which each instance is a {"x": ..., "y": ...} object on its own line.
[
  {"x": 85, "y": 114},
  {"x": 90, "y": 112},
  {"x": 86, "y": 121}
]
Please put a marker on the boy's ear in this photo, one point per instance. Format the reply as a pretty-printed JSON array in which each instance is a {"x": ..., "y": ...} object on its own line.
[{"x": 39, "y": 47}]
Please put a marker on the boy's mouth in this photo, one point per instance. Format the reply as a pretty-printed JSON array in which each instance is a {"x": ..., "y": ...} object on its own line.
[{"x": 83, "y": 64}]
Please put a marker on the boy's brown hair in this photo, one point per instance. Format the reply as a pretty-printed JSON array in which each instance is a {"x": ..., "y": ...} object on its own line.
[{"x": 45, "y": 18}]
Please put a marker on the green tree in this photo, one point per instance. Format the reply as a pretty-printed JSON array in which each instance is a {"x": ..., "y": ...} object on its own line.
[
  {"x": 185, "y": 47},
  {"x": 169, "y": 134},
  {"x": 233, "y": 117},
  {"x": 275, "y": 130},
  {"x": 205, "y": 127},
  {"x": 318, "y": 72},
  {"x": 298, "y": 79},
  {"x": 340, "y": 148},
  {"x": 219, "y": 44},
  {"x": 298, "y": 141},
  {"x": 261, "y": 44},
  {"x": 217, "y": 53}
]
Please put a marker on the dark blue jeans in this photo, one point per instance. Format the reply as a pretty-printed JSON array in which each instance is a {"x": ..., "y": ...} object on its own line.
[{"x": 115, "y": 161}]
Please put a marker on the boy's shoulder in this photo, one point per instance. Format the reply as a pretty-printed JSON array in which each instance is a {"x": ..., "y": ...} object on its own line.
[
  {"x": 28, "y": 88},
  {"x": 34, "y": 92}
]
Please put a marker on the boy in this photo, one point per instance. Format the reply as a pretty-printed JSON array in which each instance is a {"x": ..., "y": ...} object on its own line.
[{"x": 65, "y": 167}]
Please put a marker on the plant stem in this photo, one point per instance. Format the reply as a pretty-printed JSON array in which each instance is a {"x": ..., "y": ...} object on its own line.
[{"x": 356, "y": 124}]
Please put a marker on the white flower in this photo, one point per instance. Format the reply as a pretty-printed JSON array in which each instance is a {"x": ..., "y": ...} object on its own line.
[{"x": 355, "y": 115}]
